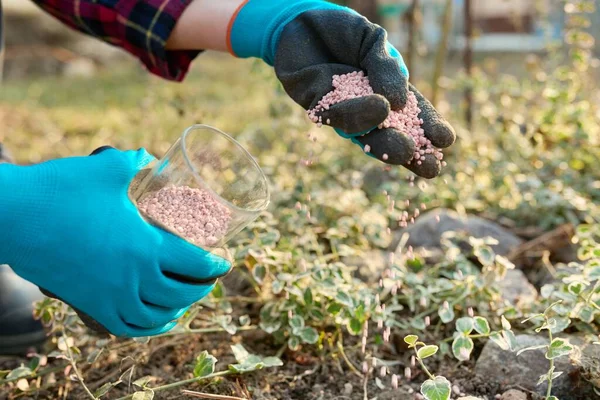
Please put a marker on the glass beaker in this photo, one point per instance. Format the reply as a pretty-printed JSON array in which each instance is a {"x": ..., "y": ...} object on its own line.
[{"x": 205, "y": 189}]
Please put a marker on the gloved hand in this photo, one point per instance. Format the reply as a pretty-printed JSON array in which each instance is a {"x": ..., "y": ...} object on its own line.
[
  {"x": 69, "y": 227},
  {"x": 309, "y": 41}
]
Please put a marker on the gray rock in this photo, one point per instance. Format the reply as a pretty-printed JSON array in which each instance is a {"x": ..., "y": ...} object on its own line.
[
  {"x": 516, "y": 288},
  {"x": 514, "y": 395},
  {"x": 469, "y": 398},
  {"x": 524, "y": 371},
  {"x": 427, "y": 231}
]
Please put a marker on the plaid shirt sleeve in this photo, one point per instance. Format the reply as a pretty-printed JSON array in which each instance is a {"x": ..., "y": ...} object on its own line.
[{"x": 139, "y": 27}]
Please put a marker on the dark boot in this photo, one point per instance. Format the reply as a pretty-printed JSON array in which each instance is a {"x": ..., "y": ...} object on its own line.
[{"x": 19, "y": 331}]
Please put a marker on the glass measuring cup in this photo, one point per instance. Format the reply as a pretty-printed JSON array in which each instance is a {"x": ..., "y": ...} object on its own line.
[{"x": 205, "y": 189}]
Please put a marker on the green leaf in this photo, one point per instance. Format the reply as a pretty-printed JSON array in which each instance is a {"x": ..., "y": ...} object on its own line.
[
  {"x": 270, "y": 326},
  {"x": 436, "y": 389},
  {"x": 462, "y": 347},
  {"x": 334, "y": 308},
  {"x": 104, "y": 389},
  {"x": 418, "y": 323},
  {"x": 309, "y": 335},
  {"x": 485, "y": 255},
  {"x": 294, "y": 343},
  {"x": 205, "y": 364},
  {"x": 240, "y": 353},
  {"x": 558, "y": 348},
  {"x": 244, "y": 320},
  {"x": 308, "y": 297},
  {"x": 531, "y": 348},
  {"x": 142, "y": 382},
  {"x": 559, "y": 324},
  {"x": 272, "y": 362},
  {"x": 259, "y": 273},
  {"x": 576, "y": 288},
  {"x": 354, "y": 326},
  {"x": 510, "y": 338},
  {"x": 224, "y": 321},
  {"x": 464, "y": 325},
  {"x": 219, "y": 290},
  {"x": 411, "y": 340},
  {"x": 497, "y": 338},
  {"x": 20, "y": 372},
  {"x": 446, "y": 313},
  {"x": 316, "y": 314},
  {"x": 145, "y": 395},
  {"x": 552, "y": 398},
  {"x": 276, "y": 287},
  {"x": 481, "y": 325},
  {"x": 344, "y": 299},
  {"x": 297, "y": 323},
  {"x": 505, "y": 323},
  {"x": 427, "y": 351}
]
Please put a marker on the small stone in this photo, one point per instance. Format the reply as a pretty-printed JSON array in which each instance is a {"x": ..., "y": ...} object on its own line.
[
  {"x": 513, "y": 395},
  {"x": 347, "y": 389}
]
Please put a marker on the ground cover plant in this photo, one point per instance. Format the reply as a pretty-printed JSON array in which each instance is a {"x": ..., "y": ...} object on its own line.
[{"x": 329, "y": 299}]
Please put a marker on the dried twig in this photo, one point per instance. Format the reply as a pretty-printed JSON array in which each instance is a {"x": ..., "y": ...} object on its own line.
[
  {"x": 210, "y": 396},
  {"x": 554, "y": 239}
]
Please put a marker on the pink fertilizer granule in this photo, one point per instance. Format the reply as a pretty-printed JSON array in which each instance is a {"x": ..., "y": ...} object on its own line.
[
  {"x": 407, "y": 121},
  {"x": 192, "y": 213}
]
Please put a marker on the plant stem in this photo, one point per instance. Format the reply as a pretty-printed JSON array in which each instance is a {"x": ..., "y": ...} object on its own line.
[
  {"x": 184, "y": 382},
  {"x": 74, "y": 365},
  {"x": 340, "y": 346},
  {"x": 424, "y": 367},
  {"x": 208, "y": 330},
  {"x": 549, "y": 391}
]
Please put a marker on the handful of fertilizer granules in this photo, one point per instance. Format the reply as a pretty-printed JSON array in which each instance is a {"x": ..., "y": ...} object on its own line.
[{"x": 406, "y": 121}]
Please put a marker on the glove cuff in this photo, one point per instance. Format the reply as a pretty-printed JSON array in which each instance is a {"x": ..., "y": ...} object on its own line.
[{"x": 255, "y": 28}]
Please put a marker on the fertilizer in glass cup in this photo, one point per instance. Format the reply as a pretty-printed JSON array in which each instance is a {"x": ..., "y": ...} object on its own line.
[
  {"x": 407, "y": 121},
  {"x": 191, "y": 213}
]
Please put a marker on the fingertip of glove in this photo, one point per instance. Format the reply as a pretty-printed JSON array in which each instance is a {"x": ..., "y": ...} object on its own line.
[
  {"x": 429, "y": 168},
  {"x": 389, "y": 145},
  {"x": 442, "y": 135},
  {"x": 358, "y": 115}
]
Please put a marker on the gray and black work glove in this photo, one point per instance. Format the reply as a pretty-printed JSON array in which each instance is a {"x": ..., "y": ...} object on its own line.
[{"x": 309, "y": 41}]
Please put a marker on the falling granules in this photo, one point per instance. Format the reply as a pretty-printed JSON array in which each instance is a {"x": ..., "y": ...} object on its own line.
[
  {"x": 407, "y": 121},
  {"x": 192, "y": 213}
]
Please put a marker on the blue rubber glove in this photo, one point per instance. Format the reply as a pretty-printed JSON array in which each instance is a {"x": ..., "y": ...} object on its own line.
[
  {"x": 69, "y": 226},
  {"x": 309, "y": 41}
]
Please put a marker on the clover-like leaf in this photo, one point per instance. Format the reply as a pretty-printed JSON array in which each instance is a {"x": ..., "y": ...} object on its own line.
[
  {"x": 354, "y": 326},
  {"x": 462, "y": 346},
  {"x": 436, "y": 389},
  {"x": 481, "y": 325},
  {"x": 446, "y": 313},
  {"x": 145, "y": 395},
  {"x": 104, "y": 389},
  {"x": 309, "y": 335},
  {"x": 411, "y": 340},
  {"x": 427, "y": 351},
  {"x": 20, "y": 372},
  {"x": 205, "y": 363},
  {"x": 497, "y": 338},
  {"x": 558, "y": 348},
  {"x": 465, "y": 325}
]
